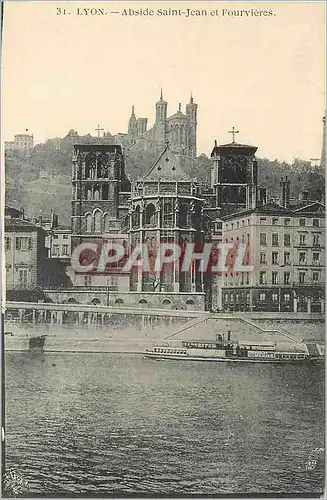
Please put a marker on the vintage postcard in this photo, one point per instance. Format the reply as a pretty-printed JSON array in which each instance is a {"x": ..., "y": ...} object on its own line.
[{"x": 163, "y": 249}]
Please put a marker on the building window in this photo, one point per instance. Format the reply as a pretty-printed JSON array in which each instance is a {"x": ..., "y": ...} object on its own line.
[
  {"x": 237, "y": 225},
  {"x": 262, "y": 297},
  {"x": 7, "y": 243},
  {"x": 287, "y": 278},
  {"x": 263, "y": 258},
  {"x": 88, "y": 220},
  {"x": 287, "y": 240},
  {"x": 302, "y": 239},
  {"x": 23, "y": 278},
  {"x": 302, "y": 222},
  {"x": 263, "y": 220},
  {"x": 65, "y": 236},
  {"x": 275, "y": 297},
  {"x": 274, "y": 258},
  {"x": 315, "y": 222},
  {"x": 287, "y": 258},
  {"x": 232, "y": 225},
  {"x": 87, "y": 280},
  {"x": 263, "y": 239},
  {"x": 65, "y": 249},
  {"x": 97, "y": 222},
  {"x": 302, "y": 258},
  {"x": 23, "y": 243},
  {"x": 274, "y": 221},
  {"x": 301, "y": 278},
  {"x": 263, "y": 278},
  {"x": 315, "y": 277},
  {"x": 274, "y": 240},
  {"x": 55, "y": 236},
  {"x": 287, "y": 297},
  {"x": 315, "y": 258},
  {"x": 287, "y": 222},
  {"x": 274, "y": 277},
  {"x": 316, "y": 240}
]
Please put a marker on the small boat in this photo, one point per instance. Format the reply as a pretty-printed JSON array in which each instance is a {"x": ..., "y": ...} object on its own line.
[{"x": 225, "y": 350}]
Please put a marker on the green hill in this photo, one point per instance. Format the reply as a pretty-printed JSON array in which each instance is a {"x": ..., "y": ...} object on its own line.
[{"x": 41, "y": 180}]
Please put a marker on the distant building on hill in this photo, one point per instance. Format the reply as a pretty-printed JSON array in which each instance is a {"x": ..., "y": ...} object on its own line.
[{"x": 21, "y": 142}]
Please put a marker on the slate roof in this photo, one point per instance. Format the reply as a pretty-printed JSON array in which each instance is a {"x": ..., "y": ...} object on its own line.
[
  {"x": 21, "y": 224},
  {"x": 167, "y": 166}
]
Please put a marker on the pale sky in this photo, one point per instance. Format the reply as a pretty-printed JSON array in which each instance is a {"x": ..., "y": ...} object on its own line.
[{"x": 263, "y": 75}]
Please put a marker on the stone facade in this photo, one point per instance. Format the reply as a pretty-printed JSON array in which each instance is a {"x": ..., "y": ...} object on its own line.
[
  {"x": 25, "y": 253},
  {"x": 105, "y": 297},
  {"x": 286, "y": 246}
]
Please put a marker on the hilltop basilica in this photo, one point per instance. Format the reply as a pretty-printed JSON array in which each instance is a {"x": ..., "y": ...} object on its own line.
[{"x": 178, "y": 129}]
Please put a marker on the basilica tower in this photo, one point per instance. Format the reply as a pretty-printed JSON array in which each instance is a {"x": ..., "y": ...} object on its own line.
[
  {"x": 132, "y": 124},
  {"x": 160, "y": 125},
  {"x": 191, "y": 113}
]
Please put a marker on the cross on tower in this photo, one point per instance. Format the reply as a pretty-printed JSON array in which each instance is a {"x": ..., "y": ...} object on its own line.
[
  {"x": 234, "y": 132},
  {"x": 99, "y": 130}
]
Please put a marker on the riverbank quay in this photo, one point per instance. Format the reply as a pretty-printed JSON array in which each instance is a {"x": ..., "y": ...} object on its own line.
[{"x": 89, "y": 328}]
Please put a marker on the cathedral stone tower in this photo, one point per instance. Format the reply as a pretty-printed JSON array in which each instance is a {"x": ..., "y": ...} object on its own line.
[
  {"x": 100, "y": 191},
  {"x": 160, "y": 125},
  {"x": 191, "y": 113},
  {"x": 234, "y": 176}
]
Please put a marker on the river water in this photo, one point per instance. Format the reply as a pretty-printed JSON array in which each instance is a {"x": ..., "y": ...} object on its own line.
[{"x": 114, "y": 424}]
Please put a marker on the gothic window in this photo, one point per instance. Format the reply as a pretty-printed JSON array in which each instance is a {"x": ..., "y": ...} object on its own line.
[
  {"x": 175, "y": 134},
  {"x": 88, "y": 193},
  {"x": 97, "y": 192},
  {"x": 184, "y": 216},
  {"x": 102, "y": 166},
  {"x": 90, "y": 166},
  {"x": 106, "y": 223},
  {"x": 97, "y": 221},
  {"x": 105, "y": 192},
  {"x": 88, "y": 220},
  {"x": 136, "y": 217},
  {"x": 150, "y": 215},
  {"x": 182, "y": 135},
  {"x": 168, "y": 214}
]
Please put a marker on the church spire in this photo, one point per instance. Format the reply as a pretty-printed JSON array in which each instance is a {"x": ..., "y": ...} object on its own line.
[
  {"x": 133, "y": 111},
  {"x": 161, "y": 96},
  {"x": 191, "y": 98}
]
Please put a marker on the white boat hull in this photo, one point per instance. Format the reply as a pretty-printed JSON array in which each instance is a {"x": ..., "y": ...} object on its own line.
[{"x": 216, "y": 359}]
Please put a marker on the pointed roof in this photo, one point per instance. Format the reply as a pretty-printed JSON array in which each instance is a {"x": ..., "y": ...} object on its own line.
[
  {"x": 167, "y": 166},
  {"x": 233, "y": 147},
  {"x": 161, "y": 100}
]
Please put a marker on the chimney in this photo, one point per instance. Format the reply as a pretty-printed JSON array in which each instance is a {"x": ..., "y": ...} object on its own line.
[
  {"x": 262, "y": 196},
  {"x": 286, "y": 191},
  {"x": 304, "y": 195}
]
